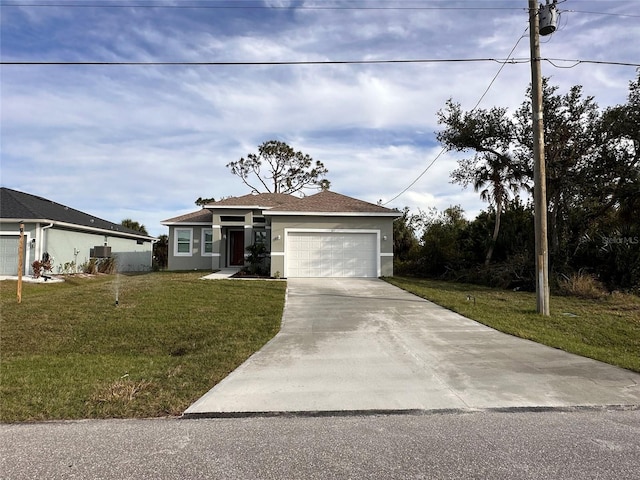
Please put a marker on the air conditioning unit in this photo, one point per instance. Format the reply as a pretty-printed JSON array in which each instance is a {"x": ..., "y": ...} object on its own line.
[{"x": 101, "y": 251}]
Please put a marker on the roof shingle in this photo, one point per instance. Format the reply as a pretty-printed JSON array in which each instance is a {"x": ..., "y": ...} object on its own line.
[{"x": 25, "y": 207}]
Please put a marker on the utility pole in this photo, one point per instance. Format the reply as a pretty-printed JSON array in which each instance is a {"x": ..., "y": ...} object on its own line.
[{"x": 539, "y": 170}]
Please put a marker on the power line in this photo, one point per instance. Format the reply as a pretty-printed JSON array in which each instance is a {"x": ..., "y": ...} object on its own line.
[
  {"x": 262, "y": 63},
  {"x": 239, "y": 6},
  {"x": 629, "y": 15},
  {"x": 476, "y": 106},
  {"x": 503, "y": 62}
]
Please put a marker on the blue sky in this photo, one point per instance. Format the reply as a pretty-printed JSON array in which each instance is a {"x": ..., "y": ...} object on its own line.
[{"x": 143, "y": 142}]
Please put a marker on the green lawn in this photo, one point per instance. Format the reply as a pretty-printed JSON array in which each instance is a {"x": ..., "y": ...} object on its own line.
[
  {"x": 67, "y": 351},
  {"x": 607, "y": 330}
]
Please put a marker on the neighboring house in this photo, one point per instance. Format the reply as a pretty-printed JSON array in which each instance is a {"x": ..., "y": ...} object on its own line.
[
  {"x": 70, "y": 237},
  {"x": 322, "y": 235}
]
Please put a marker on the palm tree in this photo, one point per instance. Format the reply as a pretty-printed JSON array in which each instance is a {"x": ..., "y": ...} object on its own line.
[{"x": 493, "y": 171}]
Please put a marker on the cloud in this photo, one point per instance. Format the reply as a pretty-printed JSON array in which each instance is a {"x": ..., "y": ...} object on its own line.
[{"x": 146, "y": 141}]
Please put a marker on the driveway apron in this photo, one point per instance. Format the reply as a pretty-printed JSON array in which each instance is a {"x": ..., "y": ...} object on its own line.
[{"x": 357, "y": 345}]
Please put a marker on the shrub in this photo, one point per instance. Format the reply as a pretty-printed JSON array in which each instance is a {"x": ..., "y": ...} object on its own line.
[
  {"x": 90, "y": 267},
  {"x": 41, "y": 266},
  {"x": 581, "y": 285}
]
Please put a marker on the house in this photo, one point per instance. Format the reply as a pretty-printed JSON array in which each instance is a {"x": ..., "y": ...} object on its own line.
[
  {"x": 321, "y": 235},
  {"x": 68, "y": 236}
]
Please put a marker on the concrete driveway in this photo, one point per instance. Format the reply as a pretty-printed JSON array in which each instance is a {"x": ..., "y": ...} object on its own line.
[{"x": 356, "y": 345}]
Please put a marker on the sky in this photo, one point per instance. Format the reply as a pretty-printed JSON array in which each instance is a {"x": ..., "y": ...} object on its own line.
[{"x": 145, "y": 141}]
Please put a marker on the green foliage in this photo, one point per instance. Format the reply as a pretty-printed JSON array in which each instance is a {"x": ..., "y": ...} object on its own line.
[
  {"x": 593, "y": 192},
  {"x": 133, "y": 225},
  {"x": 493, "y": 170},
  {"x": 201, "y": 202},
  {"x": 256, "y": 259},
  {"x": 405, "y": 241},
  {"x": 68, "y": 352},
  {"x": 278, "y": 168},
  {"x": 439, "y": 246},
  {"x": 161, "y": 253}
]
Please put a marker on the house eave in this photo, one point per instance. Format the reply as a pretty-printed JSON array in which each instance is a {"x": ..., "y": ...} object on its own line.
[
  {"x": 236, "y": 207},
  {"x": 75, "y": 226},
  {"x": 186, "y": 223},
  {"x": 333, "y": 214}
]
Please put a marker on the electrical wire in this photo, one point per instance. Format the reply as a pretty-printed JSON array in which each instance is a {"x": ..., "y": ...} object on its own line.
[
  {"x": 274, "y": 63},
  {"x": 238, "y": 6},
  {"x": 473, "y": 109}
]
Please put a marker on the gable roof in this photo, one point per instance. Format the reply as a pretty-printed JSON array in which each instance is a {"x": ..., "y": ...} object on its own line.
[
  {"x": 327, "y": 201},
  {"x": 321, "y": 203},
  {"x": 19, "y": 206},
  {"x": 257, "y": 200}
]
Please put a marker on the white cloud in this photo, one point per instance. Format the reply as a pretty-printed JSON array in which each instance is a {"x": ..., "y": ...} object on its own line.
[{"x": 145, "y": 141}]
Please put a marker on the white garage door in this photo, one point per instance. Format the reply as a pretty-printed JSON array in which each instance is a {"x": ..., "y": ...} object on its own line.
[
  {"x": 331, "y": 254},
  {"x": 9, "y": 254}
]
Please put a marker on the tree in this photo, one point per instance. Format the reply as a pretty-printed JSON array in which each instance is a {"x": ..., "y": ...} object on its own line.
[
  {"x": 440, "y": 250},
  {"x": 161, "y": 252},
  {"x": 405, "y": 240},
  {"x": 133, "y": 225},
  {"x": 201, "y": 202},
  {"x": 493, "y": 171},
  {"x": 570, "y": 126},
  {"x": 278, "y": 168}
]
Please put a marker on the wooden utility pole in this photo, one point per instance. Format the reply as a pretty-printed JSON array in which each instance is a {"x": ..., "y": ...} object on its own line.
[
  {"x": 20, "y": 262},
  {"x": 539, "y": 171}
]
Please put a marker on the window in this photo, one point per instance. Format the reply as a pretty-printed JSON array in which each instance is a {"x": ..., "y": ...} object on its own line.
[
  {"x": 184, "y": 238},
  {"x": 230, "y": 218},
  {"x": 207, "y": 241},
  {"x": 260, "y": 236}
]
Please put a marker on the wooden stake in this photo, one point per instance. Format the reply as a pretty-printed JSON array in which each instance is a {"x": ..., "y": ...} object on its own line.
[{"x": 20, "y": 262}]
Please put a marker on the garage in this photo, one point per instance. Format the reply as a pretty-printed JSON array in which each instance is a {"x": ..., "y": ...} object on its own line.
[
  {"x": 331, "y": 254},
  {"x": 9, "y": 254}
]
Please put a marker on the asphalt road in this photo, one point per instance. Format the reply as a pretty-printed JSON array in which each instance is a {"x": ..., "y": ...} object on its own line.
[{"x": 570, "y": 444}]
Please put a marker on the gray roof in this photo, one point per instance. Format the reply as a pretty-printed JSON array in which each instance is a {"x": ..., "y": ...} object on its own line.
[
  {"x": 20, "y": 206},
  {"x": 272, "y": 203},
  {"x": 199, "y": 216},
  {"x": 324, "y": 201}
]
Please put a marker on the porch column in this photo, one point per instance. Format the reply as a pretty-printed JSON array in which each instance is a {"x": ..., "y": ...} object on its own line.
[{"x": 216, "y": 257}]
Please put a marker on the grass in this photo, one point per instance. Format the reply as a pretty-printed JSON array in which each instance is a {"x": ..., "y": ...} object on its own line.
[
  {"x": 68, "y": 352},
  {"x": 604, "y": 329}
]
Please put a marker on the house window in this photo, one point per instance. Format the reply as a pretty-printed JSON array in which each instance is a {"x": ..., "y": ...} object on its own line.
[
  {"x": 230, "y": 218},
  {"x": 260, "y": 236},
  {"x": 184, "y": 241},
  {"x": 207, "y": 242}
]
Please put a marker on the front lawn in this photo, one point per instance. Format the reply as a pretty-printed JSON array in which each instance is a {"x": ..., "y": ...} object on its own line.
[
  {"x": 607, "y": 330},
  {"x": 69, "y": 352}
]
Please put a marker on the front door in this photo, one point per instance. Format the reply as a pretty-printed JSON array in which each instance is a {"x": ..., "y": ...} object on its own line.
[{"x": 236, "y": 247}]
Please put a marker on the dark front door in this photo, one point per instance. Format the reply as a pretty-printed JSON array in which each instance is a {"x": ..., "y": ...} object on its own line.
[{"x": 236, "y": 247}]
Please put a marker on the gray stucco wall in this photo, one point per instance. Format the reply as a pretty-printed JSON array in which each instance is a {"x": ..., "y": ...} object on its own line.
[
  {"x": 67, "y": 246},
  {"x": 70, "y": 249},
  {"x": 196, "y": 259},
  {"x": 280, "y": 223}
]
